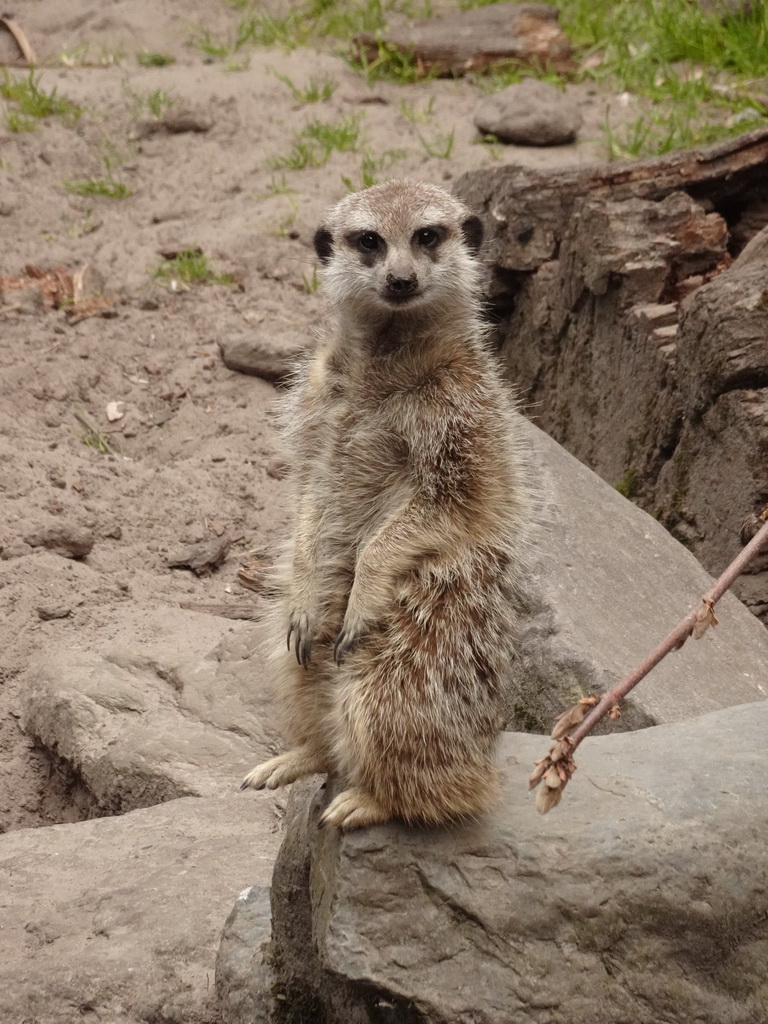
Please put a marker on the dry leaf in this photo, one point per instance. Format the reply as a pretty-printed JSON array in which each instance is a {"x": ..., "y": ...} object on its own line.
[
  {"x": 546, "y": 799},
  {"x": 541, "y": 766},
  {"x": 573, "y": 716},
  {"x": 704, "y": 618},
  {"x": 561, "y": 750}
]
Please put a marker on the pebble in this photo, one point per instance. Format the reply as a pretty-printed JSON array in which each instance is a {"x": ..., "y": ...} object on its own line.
[
  {"x": 531, "y": 113},
  {"x": 53, "y": 610},
  {"x": 202, "y": 558},
  {"x": 272, "y": 357},
  {"x": 63, "y": 538}
]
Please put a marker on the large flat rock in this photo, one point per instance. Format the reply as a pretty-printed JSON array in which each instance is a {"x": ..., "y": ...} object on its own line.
[
  {"x": 118, "y": 919},
  {"x": 612, "y": 584},
  {"x": 642, "y": 898},
  {"x": 135, "y": 728}
]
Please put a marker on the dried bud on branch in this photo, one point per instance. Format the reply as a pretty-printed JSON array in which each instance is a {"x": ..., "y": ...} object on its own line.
[
  {"x": 574, "y": 716},
  {"x": 551, "y": 774},
  {"x": 704, "y": 618}
]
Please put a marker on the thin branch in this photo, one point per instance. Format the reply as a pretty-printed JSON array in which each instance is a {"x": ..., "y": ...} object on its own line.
[{"x": 556, "y": 768}]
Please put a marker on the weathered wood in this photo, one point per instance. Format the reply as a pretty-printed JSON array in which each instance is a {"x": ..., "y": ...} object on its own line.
[
  {"x": 473, "y": 40},
  {"x": 636, "y": 340},
  {"x": 528, "y": 210},
  {"x": 19, "y": 37}
]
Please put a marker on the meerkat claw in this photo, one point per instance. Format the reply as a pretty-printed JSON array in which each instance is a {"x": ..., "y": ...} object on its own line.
[
  {"x": 345, "y": 644},
  {"x": 302, "y": 640}
]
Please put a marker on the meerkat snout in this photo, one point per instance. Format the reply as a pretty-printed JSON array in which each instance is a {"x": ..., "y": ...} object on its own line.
[{"x": 401, "y": 287}]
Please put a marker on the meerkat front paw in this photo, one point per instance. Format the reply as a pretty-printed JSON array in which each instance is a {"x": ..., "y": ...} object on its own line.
[
  {"x": 354, "y": 808},
  {"x": 282, "y": 770},
  {"x": 300, "y": 630}
]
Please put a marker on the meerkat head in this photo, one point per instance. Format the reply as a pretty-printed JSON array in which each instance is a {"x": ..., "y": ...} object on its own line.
[{"x": 402, "y": 246}]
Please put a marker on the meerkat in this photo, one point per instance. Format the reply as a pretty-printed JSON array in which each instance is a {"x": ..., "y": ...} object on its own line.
[{"x": 413, "y": 514}]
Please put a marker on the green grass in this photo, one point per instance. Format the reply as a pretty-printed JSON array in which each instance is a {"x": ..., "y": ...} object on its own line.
[
  {"x": 627, "y": 485},
  {"x": 315, "y": 19},
  {"x": 315, "y": 91},
  {"x": 370, "y": 168},
  {"x": 192, "y": 267},
  {"x": 440, "y": 147},
  {"x": 311, "y": 284},
  {"x": 158, "y": 102},
  {"x": 314, "y": 144},
  {"x": 147, "y": 59},
  {"x": 690, "y": 72},
  {"x": 32, "y": 103},
  {"x": 389, "y": 64},
  {"x": 410, "y": 112},
  {"x": 106, "y": 188}
]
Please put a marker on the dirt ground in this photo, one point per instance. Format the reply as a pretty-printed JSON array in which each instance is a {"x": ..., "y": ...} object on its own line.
[{"x": 187, "y": 460}]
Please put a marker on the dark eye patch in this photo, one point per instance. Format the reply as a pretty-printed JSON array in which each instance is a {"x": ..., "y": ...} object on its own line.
[
  {"x": 369, "y": 243},
  {"x": 429, "y": 237}
]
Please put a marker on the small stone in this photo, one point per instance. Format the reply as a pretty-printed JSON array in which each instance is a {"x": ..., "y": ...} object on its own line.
[
  {"x": 115, "y": 411},
  {"x": 532, "y": 113},
  {"x": 271, "y": 357},
  {"x": 53, "y": 610},
  {"x": 202, "y": 558},
  {"x": 63, "y": 538}
]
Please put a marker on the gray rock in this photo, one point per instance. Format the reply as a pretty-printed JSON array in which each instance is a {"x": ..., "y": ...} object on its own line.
[
  {"x": 640, "y": 899},
  {"x": 532, "y": 113},
  {"x": 119, "y": 919},
  {"x": 53, "y": 610},
  {"x": 62, "y": 537},
  {"x": 136, "y": 730},
  {"x": 245, "y": 979},
  {"x": 756, "y": 249},
  {"x": 203, "y": 557},
  {"x": 271, "y": 357},
  {"x": 612, "y": 584}
]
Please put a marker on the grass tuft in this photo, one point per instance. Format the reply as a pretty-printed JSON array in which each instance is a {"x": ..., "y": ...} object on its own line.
[
  {"x": 314, "y": 144},
  {"x": 315, "y": 91},
  {"x": 192, "y": 267},
  {"x": 33, "y": 103},
  {"x": 107, "y": 188},
  {"x": 147, "y": 59}
]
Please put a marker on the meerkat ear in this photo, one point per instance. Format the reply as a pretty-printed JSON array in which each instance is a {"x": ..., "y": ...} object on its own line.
[
  {"x": 472, "y": 229},
  {"x": 323, "y": 244}
]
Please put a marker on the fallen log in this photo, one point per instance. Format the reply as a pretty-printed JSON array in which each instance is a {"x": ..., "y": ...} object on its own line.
[{"x": 636, "y": 335}]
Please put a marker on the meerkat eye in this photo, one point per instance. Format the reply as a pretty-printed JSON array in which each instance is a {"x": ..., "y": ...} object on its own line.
[
  {"x": 427, "y": 238},
  {"x": 369, "y": 241}
]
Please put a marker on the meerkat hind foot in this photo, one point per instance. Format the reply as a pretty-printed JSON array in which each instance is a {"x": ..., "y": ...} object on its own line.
[
  {"x": 282, "y": 770},
  {"x": 354, "y": 808}
]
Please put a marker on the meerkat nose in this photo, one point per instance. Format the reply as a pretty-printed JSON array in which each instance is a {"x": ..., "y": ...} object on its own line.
[{"x": 402, "y": 285}]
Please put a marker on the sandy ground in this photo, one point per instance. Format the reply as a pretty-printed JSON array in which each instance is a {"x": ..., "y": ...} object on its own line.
[{"x": 188, "y": 458}]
